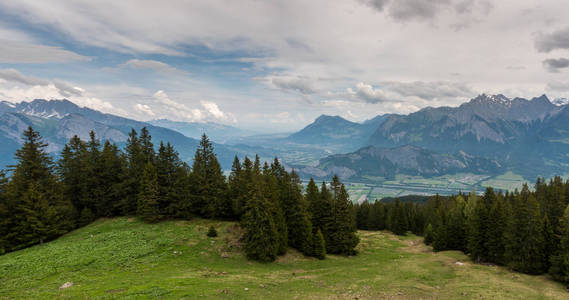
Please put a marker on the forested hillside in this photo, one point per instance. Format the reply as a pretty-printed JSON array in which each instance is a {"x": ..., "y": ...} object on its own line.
[
  {"x": 41, "y": 200},
  {"x": 527, "y": 231}
]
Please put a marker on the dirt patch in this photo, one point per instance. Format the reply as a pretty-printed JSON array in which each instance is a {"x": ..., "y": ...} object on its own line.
[{"x": 416, "y": 246}]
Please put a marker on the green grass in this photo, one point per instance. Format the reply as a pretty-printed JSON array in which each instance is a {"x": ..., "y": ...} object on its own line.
[
  {"x": 125, "y": 259},
  {"x": 507, "y": 181}
]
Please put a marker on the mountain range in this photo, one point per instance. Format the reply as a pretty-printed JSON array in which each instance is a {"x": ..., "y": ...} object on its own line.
[
  {"x": 58, "y": 120},
  {"x": 530, "y": 137},
  {"x": 490, "y": 134}
]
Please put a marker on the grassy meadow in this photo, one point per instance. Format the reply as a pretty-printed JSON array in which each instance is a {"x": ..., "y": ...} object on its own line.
[{"x": 124, "y": 258}]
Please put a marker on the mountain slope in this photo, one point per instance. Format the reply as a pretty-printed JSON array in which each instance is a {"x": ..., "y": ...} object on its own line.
[
  {"x": 59, "y": 120},
  {"x": 409, "y": 160},
  {"x": 335, "y": 130},
  {"x": 124, "y": 258}
]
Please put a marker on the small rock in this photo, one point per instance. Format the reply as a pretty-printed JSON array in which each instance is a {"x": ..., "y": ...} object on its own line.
[
  {"x": 225, "y": 255},
  {"x": 459, "y": 263},
  {"x": 246, "y": 289},
  {"x": 66, "y": 285},
  {"x": 464, "y": 294}
]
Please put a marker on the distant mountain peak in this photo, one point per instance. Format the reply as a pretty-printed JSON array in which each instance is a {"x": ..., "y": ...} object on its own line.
[
  {"x": 492, "y": 99},
  {"x": 560, "y": 101}
]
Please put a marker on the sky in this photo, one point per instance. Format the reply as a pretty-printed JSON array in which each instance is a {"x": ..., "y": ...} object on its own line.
[{"x": 274, "y": 66}]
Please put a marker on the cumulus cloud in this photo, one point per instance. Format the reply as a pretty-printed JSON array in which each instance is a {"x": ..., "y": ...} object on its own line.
[
  {"x": 209, "y": 110},
  {"x": 367, "y": 93},
  {"x": 553, "y": 65},
  {"x": 145, "y": 109},
  {"x": 154, "y": 65},
  {"x": 547, "y": 42}
]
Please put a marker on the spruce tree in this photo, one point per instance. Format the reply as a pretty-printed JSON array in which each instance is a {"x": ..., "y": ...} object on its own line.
[
  {"x": 319, "y": 250},
  {"x": 112, "y": 178},
  {"x": 136, "y": 163},
  {"x": 209, "y": 195},
  {"x": 237, "y": 188},
  {"x": 343, "y": 238},
  {"x": 477, "y": 229},
  {"x": 271, "y": 193},
  {"x": 94, "y": 168},
  {"x": 149, "y": 196},
  {"x": 560, "y": 262},
  {"x": 296, "y": 214},
  {"x": 72, "y": 171},
  {"x": 496, "y": 228},
  {"x": 524, "y": 237},
  {"x": 39, "y": 213},
  {"x": 260, "y": 240}
]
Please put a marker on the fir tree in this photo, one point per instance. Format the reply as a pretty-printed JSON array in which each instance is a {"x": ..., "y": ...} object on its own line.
[
  {"x": 94, "y": 168},
  {"x": 343, "y": 238},
  {"x": 135, "y": 168},
  {"x": 560, "y": 262},
  {"x": 149, "y": 196},
  {"x": 524, "y": 237},
  {"x": 477, "y": 229},
  {"x": 261, "y": 238},
  {"x": 39, "y": 213},
  {"x": 319, "y": 250},
  {"x": 271, "y": 193},
  {"x": 112, "y": 177},
  {"x": 496, "y": 228},
  {"x": 237, "y": 188},
  {"x": 428, "y": 237},
  {"x": 212, "y": 232},
  {"x": 72, "y": 170},
  {"x": 296, "y": 214}
]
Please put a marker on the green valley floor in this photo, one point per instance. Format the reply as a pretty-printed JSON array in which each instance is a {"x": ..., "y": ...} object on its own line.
[{"x": 124, "y": 258}]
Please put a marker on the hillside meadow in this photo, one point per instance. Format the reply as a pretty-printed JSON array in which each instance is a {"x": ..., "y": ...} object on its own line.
[{"x": 123, "y": 258}]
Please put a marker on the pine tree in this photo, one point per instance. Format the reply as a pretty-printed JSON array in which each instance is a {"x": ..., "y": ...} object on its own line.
[
  {"x": 261, "y": 238},
  {"x": 94, "y": 168},
  {"x": 136, "y": 163},
  {"x": 428, "y": 237},
  {"x": 212, "y": 232},
  {"x": 496, "y": 228},
  {"x": 296, "y": 214},
  {"x": 560, "y": 262},
  {"x": 477, "y": 229},
  {"x": 524, "y": 237},
  {"x": 271, "y": 193},
  {"x": 319, "y": 250},
  {"x": 237, "y": 188},
  {"x": 398, "y": 220},
  {"x": 343, "y": 238},
  {"x": 72, "y": 170},
  {"x": 322, "y": 214},
  {"x": 209, "y": 195},
  {"x": 5, "y": 216},
  {"x": 456, "y": 238},
  {"x": 149, "y": 196},
  {"x": 112, "y": 177},
  {"x": 39, "y": 213},
  {"x": 146, "y": 146}
]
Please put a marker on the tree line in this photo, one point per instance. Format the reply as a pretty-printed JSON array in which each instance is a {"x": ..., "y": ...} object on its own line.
[
  {"x": 527, "y": 231},
  {"x": 43, "y": 199}
]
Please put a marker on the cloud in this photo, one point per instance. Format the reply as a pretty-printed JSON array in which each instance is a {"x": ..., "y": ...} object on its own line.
[
  {"x": 64, "y": 88},
  {"x": 209, "y": 110},
  {"x": 547, "y": 42},
  {"x": 402, "y": 92},
  {"x": 145, "y": 109},
  {"x": 150, "y": 65},
  {"x": 431, "y": 90},
  {"x": 287, "y": 83},
  {"x": 553, "y": 65},
  {"x": 367, "y": 93},
  {"x": 427, "y": 10},
  {"x": 558, "y": 86}
]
